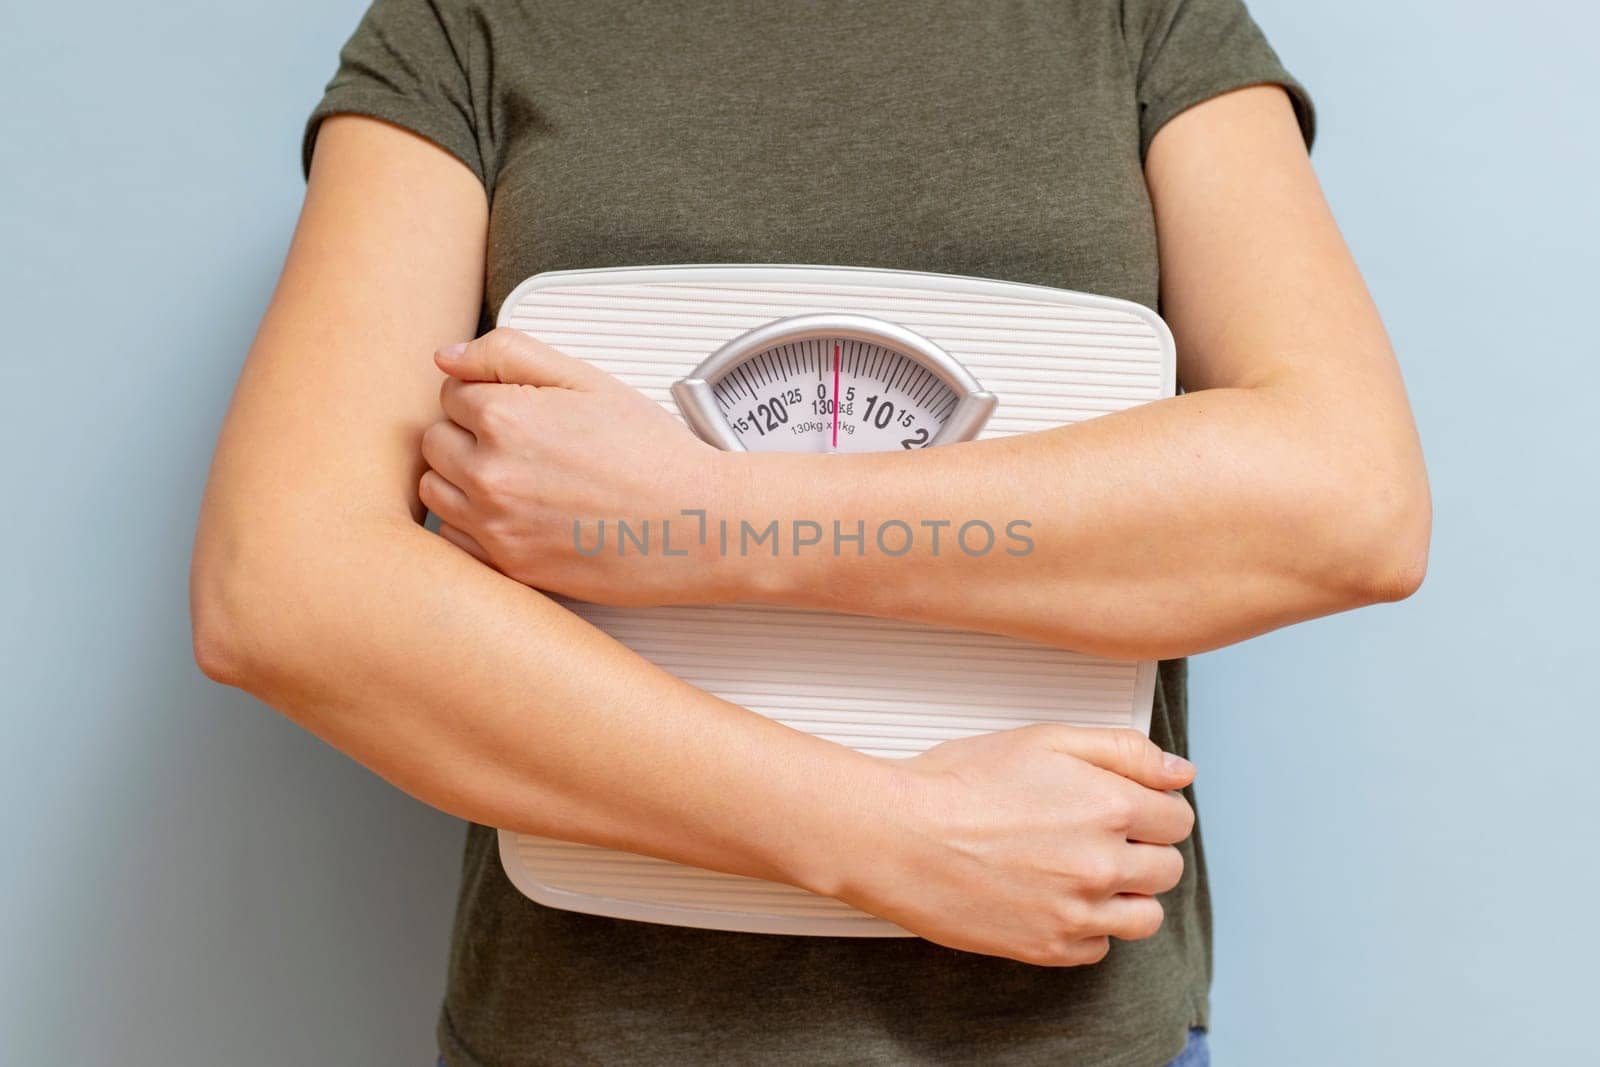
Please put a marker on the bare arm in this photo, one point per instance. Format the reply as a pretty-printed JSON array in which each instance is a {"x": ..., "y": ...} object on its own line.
[
  {"x": 314, "y": 588},
  {"x": 1286, "y": 484}
]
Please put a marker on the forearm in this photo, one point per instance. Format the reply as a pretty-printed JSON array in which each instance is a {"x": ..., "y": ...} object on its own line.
[
  {"x": 1160, "y": 531},
  {"x": 489, "y": 701},
  {"x": 1289, "y": 483}
]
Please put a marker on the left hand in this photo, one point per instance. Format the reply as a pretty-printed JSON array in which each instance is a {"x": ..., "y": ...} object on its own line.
[{"x": 537, "y": 443}]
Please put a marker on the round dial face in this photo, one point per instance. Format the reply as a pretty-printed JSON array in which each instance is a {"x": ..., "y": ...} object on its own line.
[
  {"x": 832, "y": 384},
  {"x": 833, "y": 394}
]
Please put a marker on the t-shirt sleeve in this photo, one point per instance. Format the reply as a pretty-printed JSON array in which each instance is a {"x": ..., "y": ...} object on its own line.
[
  {"x": 404, "y": 66},
  {"x": 1188, "y": 51}
]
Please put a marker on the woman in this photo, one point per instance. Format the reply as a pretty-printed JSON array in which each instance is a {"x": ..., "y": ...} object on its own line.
[{"x": 1148, "y": 149}]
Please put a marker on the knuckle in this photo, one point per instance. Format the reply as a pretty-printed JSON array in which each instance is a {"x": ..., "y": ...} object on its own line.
[
  {"x": 1132, "y": 746},
  {"x": 1052, "y": 737},
  {"x": 503, "y": 339},
  {"x": 488, "y": 480},
  {"x": 1057, "y": 950},
  {"x": 495, "y": 414},
  {"x": 1066, "y": 948},
  {"x": 1091, "y": 951},
  {"x": 1069, "y": 918},
  {"x": 1039, "y": 733},
  {"x": 518, "y": 410},
  {"x": 500, "y": 528},
  {"x": 432, "y": 435},
  {"x": 1186, "y": 817},
  {"x": 1097, "y": 873},
  {"x": 1120, "y": 809},
  {"x": 1040, "y": 955}
]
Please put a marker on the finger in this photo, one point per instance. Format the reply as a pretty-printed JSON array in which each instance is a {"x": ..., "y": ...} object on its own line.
[
  {"x": 1125, "y": 752},
  {"x": 1150, "y": 869},
  {"x": 444, "y": 499},
  {"x": 1130, "y": 918},
  {"x": 513, "y": 358},
  {"x": 463, "y": 542},
  {"x": 464, "y": 403},
  {"x": 1159, "y": 818},
  {"x": 448, "y": 449}
]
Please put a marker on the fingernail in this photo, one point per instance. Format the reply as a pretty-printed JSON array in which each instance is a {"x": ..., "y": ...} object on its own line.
[
  {"x": 1175, "y": 763},
  {"x": 453, "y": 351}
]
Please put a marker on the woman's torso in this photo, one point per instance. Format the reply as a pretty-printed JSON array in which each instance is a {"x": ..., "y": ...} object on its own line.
[{"x": 989, "y": 139}]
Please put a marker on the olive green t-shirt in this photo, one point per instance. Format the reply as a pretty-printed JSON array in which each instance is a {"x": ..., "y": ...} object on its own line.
[{"x": 997, "y": 139}]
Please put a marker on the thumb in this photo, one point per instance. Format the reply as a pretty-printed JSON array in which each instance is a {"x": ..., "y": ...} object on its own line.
[
  {"x": 513, "y": 358},
  {"x": 1125, "y": 752}
]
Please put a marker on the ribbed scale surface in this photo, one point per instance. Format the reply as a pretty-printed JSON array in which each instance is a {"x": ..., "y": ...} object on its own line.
[{"x": 887, "y": 688}]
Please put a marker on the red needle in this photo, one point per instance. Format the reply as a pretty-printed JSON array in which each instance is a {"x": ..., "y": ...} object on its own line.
[{"x": 836, "y": 395}]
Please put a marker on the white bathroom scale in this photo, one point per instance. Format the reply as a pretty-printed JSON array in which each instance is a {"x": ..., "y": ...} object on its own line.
[{"x": 837, "y": 359}]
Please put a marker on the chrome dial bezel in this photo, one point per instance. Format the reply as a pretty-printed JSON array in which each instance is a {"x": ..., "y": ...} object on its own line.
[{"x": 697, "y": 401}]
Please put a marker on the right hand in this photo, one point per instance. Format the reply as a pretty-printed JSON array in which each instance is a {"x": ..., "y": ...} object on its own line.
[{"x": 1039, "y": 843}]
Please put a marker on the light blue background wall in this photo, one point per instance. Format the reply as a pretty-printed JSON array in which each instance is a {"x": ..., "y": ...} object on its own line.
[{"x": 1398, "y": 803}]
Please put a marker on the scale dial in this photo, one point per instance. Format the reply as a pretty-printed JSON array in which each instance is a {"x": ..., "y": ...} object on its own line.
[{"x": 831, "y": 383}]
